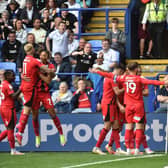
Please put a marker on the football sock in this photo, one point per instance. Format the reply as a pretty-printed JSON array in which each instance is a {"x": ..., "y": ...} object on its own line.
[
  {"x": 139, "y": 137},
  {"x": 144, "y": 142},
  {"x": 132, "y": 140},
  {"x": 36, "y": 127},
  {"x": 58, "y": 125},
  {"x": 102, "y": 136},
  {"x": 3, "y": 135},
  {"x": 116, "y": 137},
  {"x": 111, "y": 141},
  {"x": 22, "y": 122},
  {"x": 128, "y": 136},
  {"x": 11, "y": 138}
]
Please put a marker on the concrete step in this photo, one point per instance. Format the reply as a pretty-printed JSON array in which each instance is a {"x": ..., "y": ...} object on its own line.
[
  {"x": 109, "y": 2},
  {"x": 149, "y": 61},
  {"x": 93, "y": 37},
  {"x": 102, "y": 18},
  {"x": 102, "y": 25},
  {"x": 111, "y": 13}
]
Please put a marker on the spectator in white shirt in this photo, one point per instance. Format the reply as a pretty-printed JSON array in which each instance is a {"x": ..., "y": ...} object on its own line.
[
  {"x": 99, "y": 62},
  {"x": 59, "y": 40},
  {"x": 72, "y": 43},
  {"x": 39, "y": 33},
  {"x": 72, "y": 5},
  {"x": 111, "y": 57}
]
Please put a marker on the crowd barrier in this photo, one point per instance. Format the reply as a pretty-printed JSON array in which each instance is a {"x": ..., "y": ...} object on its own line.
[{"x": 82, "y": 131}]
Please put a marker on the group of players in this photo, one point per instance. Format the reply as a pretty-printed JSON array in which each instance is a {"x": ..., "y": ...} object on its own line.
[
  {"x": 122, "y": 102},
  {"x": 36, "y": 75}
]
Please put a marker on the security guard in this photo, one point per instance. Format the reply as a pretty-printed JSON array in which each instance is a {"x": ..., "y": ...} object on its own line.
[{"x": 156, "y": 14}]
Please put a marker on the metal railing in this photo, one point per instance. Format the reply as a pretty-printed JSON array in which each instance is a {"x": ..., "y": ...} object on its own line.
[{"x": 107, "y": 10}]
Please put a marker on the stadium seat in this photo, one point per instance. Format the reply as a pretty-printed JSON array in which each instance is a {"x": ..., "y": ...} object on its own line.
[
  {"x": 96, "y": 45},
  {"x": 8, "y": 65},
  {"x": 1, "y": 44}
]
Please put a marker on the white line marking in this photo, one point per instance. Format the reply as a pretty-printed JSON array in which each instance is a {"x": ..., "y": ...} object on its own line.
[{"x": 115, "y": 160}]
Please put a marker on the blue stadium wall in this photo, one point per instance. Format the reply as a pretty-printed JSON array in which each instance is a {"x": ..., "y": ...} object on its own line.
[{"x": 82, "y": 131}]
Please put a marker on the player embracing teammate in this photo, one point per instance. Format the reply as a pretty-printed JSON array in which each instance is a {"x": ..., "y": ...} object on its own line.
[
  {"x": 133, "y": 101},
  {"x": 31, "y": 68}
]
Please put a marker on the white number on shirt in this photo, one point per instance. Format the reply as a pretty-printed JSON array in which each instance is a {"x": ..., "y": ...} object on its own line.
[
  {"x": 131, "y": 86},
  {"x": 49, "y": 101},
  {"x": 24, "y": 68}
]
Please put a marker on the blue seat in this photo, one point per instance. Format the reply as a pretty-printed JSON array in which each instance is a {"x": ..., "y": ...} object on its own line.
[
  {"x": 8, "y": 65},
  {"x": 96, "y": 45},
  {"x": 1, "y": 44}
]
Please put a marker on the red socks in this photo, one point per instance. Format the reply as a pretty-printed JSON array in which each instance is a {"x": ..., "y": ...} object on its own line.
[
  {"x": 132, "y": 142},
  {"x": 102, "y": 136},
  {"x": 58, "y": 125},
  {"x": 138, "y": 138},
  {"x": 11, "y": 138},
  {"x": 128, "y": 136},
  {"x": 144, "y": 142},
  {"x": 22, "y": 122},
  {"x": 116, "y": 137},
  {"x": 36, "y": 127},
  {"x": 111, "y": 141},
  {"x": 3, "y": 135}
]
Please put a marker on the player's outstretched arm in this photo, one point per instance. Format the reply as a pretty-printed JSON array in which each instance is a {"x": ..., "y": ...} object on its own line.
[
  {"x": 102, "y": 73},
  {"x": 152, "y": 82}
]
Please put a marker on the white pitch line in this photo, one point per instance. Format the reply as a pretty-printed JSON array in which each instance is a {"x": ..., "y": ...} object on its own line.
[{"x": 115, "y": 160}]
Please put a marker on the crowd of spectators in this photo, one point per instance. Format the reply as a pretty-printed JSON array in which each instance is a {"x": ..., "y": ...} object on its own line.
[{"x": 46, "y": 27}]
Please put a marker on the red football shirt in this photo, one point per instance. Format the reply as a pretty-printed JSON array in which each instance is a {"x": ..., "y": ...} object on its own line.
[
  {"x": 30, "y": 69},
  {"x": 108, "y": 92},
  {"x": 133, "y": 85},
  {"x": 41, "y": 85},
  {"x": 6, "y": 90}
]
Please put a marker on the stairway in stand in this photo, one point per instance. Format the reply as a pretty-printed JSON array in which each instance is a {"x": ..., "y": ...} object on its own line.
[{"x": 97, "y": 24}]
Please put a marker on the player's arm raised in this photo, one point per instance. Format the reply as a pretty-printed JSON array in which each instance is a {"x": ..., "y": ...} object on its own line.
[
  {"x": 152, "y": 82},
  {"x": 102, "y": 73}
]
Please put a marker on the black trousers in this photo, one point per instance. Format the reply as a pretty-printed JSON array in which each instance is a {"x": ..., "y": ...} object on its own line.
[{"x": 156, "y": 31}]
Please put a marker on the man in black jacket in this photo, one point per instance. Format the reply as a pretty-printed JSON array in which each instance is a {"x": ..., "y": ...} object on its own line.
[
  {"x": 29, "y": 13},
  {"x": 61, "y": 67},
  {"x": 11, "y": 49}
]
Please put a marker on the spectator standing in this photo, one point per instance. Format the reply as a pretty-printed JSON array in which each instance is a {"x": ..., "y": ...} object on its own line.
[
  {"x": 117, "y": 39},
  {"x": 62, "y": 98},
  {"x": 69, "y": 19},
  {"x": 55, "y": 24},
  {"x": 72, "y": 43},
  {"x": 29, "y": 13},
  {"x": 21, "y": 33},
  {"x": 85, "y": 59},
  {"x": 11, "y": 49},
  {"x": 39, "y": 33},
  {"x": 156, "y": 14},
  {"x": 111, "y": 56},
  {"x": 61, "y": 67},
  {"x": 59, "y": 40},
  {"x": 73, "y": 5}
]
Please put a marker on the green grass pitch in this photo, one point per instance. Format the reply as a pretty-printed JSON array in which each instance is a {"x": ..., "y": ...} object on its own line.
[{"x": 72, "y": 159}]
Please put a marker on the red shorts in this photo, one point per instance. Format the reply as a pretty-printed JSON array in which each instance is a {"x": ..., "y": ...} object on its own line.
[
  {"x": 135, "y": 113},
  {"x": 143, "y": 34},
  {"x": 8, "y": 115},
  {"x": 29, "y": 98},
  {"x": 45, "y": 99},
  {"x": 110, "y": 112}
]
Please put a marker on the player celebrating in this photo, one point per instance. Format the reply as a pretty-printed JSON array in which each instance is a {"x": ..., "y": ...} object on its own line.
[
  {"x": 44, "y": 96},
  {"x": 110, "y": 113},
  {"x": 133, "y": 100},
  {"x": 31, "y": 68},
  {"x": 7, "y": 110}
]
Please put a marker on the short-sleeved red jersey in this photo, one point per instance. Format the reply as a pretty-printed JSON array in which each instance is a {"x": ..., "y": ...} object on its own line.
[
  {"x": 6, "y": 90},
  {"x": 133, "y": 86},
  {"x": 109, "y": 96},
  {"x": 41, "y": 85},
  {"x": 30, "y": 69}
]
